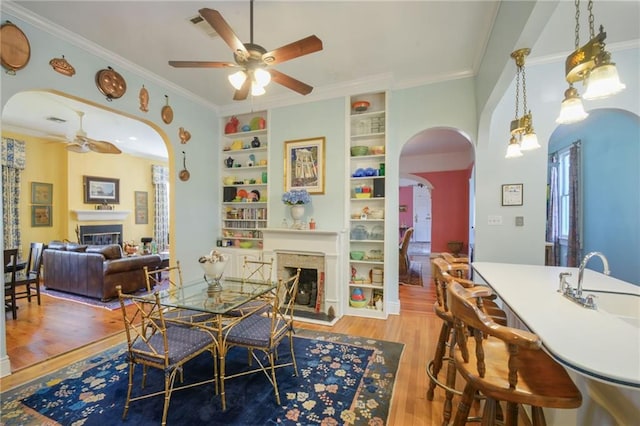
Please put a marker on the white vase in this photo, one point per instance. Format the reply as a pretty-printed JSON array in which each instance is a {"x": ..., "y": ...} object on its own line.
[
  {"x": 297, "y": 213},
  {"x": 214, "y": 271}
]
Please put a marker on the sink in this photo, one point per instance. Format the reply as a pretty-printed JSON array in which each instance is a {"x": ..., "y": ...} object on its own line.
[{"x": 626, "y": 306}]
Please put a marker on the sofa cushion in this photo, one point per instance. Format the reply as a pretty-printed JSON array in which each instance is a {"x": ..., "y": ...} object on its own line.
[
  {"x": 110, "y": 251},
  {"x": 78, "y": 248},
  {"x": 57, "y": 245}
]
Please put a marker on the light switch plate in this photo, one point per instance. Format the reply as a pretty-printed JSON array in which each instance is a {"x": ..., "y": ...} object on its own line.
[{"x": 519, "y": 220}]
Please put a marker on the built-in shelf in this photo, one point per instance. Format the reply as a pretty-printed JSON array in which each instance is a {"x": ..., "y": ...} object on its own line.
[{"x": 96, "y": 215}]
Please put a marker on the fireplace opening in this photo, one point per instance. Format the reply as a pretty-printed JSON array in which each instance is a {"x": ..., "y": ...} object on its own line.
[
  {"x": 100, "y": 234},
  {"x": 307, "y": 293}
]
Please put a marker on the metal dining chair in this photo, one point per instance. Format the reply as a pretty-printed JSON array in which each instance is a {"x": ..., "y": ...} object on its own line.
[{"x": 151, "y": 342}]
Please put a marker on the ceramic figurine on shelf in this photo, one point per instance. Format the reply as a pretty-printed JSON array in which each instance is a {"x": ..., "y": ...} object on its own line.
[
  {"x": 229, "y": 162},
  {"x": 232, "y": 125},
  {"x": 255, "y": 143}
]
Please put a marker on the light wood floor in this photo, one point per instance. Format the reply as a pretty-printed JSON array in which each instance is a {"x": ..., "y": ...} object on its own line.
[{"x": 41, "y": 334}]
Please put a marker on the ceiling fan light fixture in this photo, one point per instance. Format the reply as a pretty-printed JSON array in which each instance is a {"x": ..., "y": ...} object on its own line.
[
  {"x": 262, "y": 77},
  {"x": 237, "y": 79},
  {"x": 257, "y": 90}
]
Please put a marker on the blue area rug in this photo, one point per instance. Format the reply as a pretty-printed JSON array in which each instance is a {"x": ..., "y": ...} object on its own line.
[{"x": 342, "y": 380}]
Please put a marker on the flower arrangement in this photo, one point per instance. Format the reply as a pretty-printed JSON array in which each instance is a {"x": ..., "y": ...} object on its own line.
[
  {"x": 214, "y": 256},
  {"x": 296, "y": 196}
]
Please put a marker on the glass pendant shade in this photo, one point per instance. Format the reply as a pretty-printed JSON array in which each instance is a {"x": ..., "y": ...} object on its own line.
[
  {"x": 529, "y": 141},
  {"x": 513, "y": 150},
  {"x": 256, "y": 89},
  {"x": 571, "y": 110},
  {"x": 262, "y": 77},
  {"x": 237, "y": 79},
  {"x": 603, "y": 81}
]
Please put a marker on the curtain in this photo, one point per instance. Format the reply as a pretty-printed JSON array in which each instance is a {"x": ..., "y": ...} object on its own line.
[
  {"x": 553, "y": 211},
  {"x": 13, "y": 162},
  {"x": 574, "y": 243},
  {"x": 160, "y": 176}
]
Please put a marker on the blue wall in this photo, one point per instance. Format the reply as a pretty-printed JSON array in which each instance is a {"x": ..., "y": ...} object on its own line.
[{"x": 611, "y": 191}]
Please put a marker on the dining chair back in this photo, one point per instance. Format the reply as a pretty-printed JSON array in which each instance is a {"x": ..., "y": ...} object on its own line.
[
  {"x": 28, "y": 279},
  {"x": 257, "y": 269},
  {"x": 403, "y": 259},
  {"x": 172, "y": 276},
  {"x": 506, "y": 364},
  {"x": 10, "y": 262},
  {"x": 151, "y": 342},
  {"x": 261, "y": 335}
]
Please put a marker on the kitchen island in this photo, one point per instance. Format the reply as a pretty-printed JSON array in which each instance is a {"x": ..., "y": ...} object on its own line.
[{"x": 599, "y": 347}]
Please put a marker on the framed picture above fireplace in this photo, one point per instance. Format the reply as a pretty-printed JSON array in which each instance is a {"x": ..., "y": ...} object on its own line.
[{"x": 101, "y": 190}]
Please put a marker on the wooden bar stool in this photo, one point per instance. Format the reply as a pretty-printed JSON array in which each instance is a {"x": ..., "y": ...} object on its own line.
[
  {"x": 443, "y": 274},
  {"x": 504, "y": 364}
]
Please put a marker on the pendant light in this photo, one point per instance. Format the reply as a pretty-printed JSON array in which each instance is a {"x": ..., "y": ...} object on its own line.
[{"x": 523, "y": 137}]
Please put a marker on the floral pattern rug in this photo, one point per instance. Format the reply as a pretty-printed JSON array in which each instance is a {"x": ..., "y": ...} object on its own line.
[{"x": 342, "y": 380}]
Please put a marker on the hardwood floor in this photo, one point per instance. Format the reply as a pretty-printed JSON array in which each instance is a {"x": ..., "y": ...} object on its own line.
[{"x": 41, "y": 334}]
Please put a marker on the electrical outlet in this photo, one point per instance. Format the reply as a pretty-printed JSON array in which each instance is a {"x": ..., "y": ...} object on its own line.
[
  {"x": 519, "y": 220},
  {"x": 495, "y": 220}
]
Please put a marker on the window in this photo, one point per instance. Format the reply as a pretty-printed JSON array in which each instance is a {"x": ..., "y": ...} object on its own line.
[{"x": 563, "y": 192}]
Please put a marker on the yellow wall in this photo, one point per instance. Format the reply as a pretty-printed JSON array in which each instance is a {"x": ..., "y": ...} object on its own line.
[{"x": 50, "y": 162}]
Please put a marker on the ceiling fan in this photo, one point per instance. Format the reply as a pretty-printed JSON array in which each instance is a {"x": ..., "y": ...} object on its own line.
[
  {"x": 254, "y": 60},
  {"x": 81, "y": 143}
]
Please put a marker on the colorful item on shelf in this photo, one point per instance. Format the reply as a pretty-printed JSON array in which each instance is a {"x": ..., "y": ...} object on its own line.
[
  {"x": 232, "y": 125},
  {"x": 357, "y": 299},
  {"x": 255, "y": 143}
]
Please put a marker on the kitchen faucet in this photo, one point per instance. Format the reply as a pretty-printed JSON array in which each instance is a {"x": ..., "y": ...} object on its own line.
[
  {"x": 575, "y": 294},
  {"x": 583, "y": 264}
]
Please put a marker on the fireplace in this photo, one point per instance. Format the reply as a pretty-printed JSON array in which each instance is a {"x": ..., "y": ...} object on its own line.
[
  {"x": 100, "y": 234},
  {"x": 308, "y": 299},
  {"x": 316, "y": 253}
]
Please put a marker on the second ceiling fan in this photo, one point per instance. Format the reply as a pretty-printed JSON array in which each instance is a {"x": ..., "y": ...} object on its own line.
[{"x": 254, "y": 60}]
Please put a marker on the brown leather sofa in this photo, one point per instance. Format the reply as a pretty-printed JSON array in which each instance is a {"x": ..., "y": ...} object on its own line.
[{"x": 94, "y": 271}]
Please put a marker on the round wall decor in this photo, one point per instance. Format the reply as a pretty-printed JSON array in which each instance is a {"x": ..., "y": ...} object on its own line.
[
  {"x": 110, "y": 83},
  {"x": 16, "y": 50}
]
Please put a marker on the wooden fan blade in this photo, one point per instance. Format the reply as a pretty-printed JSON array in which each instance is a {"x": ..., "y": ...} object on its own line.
[
  {"x": 290, "y": 82},
  {"x": 103, "y": 147},
  {"x": 293, "y": 50},
  {"x": 215, "y": 19},
  {"x": 201, "y": 64},
  {"x": 241, "y": 95}
]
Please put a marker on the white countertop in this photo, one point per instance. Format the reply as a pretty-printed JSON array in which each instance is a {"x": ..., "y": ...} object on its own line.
[{"x": 594, "y": 343}]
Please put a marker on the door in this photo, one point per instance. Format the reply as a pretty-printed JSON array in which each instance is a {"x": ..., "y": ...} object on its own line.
[{"x": 421, "y": 214}]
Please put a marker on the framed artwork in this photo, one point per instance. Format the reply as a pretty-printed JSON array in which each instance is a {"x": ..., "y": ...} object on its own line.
[
  {"x": 512, "y": 194},
  {"x": 41, "y": 216},
  {"x": 100, "y": 190},
  {"x": 141, "y": 207},
  {"x": 41, "y": 193},
  {"x": 304, "y": 165}
]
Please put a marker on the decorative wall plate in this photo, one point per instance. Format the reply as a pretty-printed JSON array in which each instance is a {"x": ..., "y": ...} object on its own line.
[
  {"x": 110, "y": 83},
  {"x": 16, "y": 50}
]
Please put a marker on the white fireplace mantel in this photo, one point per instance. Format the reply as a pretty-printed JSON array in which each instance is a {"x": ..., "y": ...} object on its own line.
[{"x": 96, "y": 215}]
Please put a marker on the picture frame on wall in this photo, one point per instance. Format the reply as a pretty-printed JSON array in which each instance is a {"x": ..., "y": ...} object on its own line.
[
  {"x": 304, "y": 165},
  {"x": 41, "y": 193},
  {"x": 512, "y": 194},
  {"x": 41, "y": 216},
  {"x": 141, "y": 207},
  {"x": 101, "y": 190}
]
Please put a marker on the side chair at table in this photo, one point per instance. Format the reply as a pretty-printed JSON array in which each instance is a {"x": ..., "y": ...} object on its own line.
[
  {"x": 28, "y": 280},
  {"x": 10, "y": 261},
  {"x": 151, "y": 342},
  {"x": 172, "y": 275},
  {"x": 504, "y": 364},
  {"x": 261, "y": 334},
  {"x": 258, "y": 270}
]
